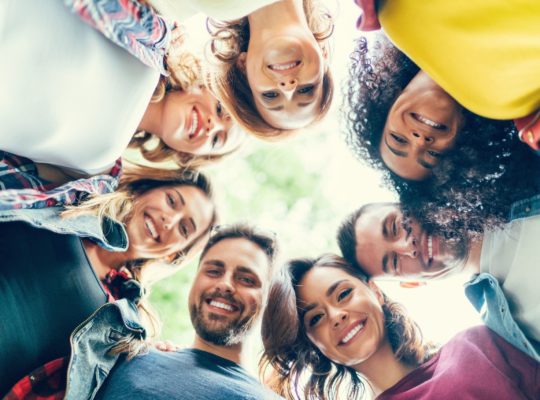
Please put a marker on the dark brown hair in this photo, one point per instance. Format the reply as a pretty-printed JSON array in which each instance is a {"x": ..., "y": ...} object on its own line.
[{"x": 290, "y": 353}]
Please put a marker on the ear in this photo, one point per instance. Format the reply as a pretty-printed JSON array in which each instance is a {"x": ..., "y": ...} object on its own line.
[
  {"x": 378, "y": 293},
  {"x": 411, "y": 285},
  {"x": 241, "y": 61}
]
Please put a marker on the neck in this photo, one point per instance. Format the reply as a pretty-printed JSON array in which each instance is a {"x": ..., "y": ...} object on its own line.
[
  {"x": 232, "y": 353},
  {"x": 383, "y": 370},
  {"x": 151, "y": 121},
  {"x": 267, "y": 20},
  {"x": 103, "y": 261},
  {"x": 473, "y": 260}
]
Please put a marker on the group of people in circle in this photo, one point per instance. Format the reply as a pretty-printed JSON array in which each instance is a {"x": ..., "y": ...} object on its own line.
[{"x": 444, "y": 100}]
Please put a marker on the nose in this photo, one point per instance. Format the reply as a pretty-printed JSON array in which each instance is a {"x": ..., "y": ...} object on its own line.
[
  {"x": 169, "y": 221},
  {"x": 288, "y": 85},
  {"x": 422, "y": 139},
  {"x": 406, "y": 246},
  {"x": 225, "y": 284},
  {"x": 339, "y": 316}
]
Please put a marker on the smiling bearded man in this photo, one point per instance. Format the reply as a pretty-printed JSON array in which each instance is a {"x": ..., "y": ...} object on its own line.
[{"x": 225, "y": 300}]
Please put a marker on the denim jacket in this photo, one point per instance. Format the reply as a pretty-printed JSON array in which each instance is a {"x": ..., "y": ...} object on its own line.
[
  {"x": 109, "y": 234},
  {"x": 90, "y": 361},
  {"x": 487, "y": 296}
]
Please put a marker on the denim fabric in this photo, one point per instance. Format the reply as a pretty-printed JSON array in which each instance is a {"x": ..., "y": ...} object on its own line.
[
  {"x": 109, "y": 234},
  {"x": 90, "y": 361},
  {"x": 486, "y": 295},
  {"x": 525, "y": 208}
]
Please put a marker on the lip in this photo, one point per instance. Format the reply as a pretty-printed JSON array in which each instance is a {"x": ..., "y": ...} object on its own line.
[
  {"x": 217, "y": 305},
  {"x": 151, "y": 228},
  {"x": 349, "y": 329},
  {"x": 199, "y": 128},
  {"x": 429, "y": 122},
  {"x": 284, "y": 67}
]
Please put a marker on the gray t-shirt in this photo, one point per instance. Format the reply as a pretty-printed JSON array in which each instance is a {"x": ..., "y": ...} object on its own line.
[{"x": 187, "y": 374}]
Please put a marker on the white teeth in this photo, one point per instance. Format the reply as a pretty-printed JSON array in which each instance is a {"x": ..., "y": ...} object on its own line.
[
  {"x": 218, "y": 304},
  {"x": 429, "y": 122},
  {"x": 151, "y": 227},
  {"x": 353, "y": 332},
  {"x": 283, "y": 67},
  {"x": 194, "y": 122},
  {"x": 430, "y": 246}
]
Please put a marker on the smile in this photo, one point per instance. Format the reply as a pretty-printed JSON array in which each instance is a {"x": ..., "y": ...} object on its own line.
[
  {"x": 284, "y": 66},
  {"x": 195, "y": 129},
  {"x": 221, "y": 305},
  {"x": 352, "y": 333},
  {"x": 151, "y": 229},
  {"x": 427, "y": 121}
]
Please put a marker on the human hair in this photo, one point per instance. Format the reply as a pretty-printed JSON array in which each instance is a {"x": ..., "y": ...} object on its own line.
[
  {"x": 135, "y": 181},
  {"x": 229, "y": 81},
  {"x": 185, "y": 73},
  {"x": 472, "y": 186},
  {"x": 266, "y": 241},
  {"x": 290, "y": 353}
]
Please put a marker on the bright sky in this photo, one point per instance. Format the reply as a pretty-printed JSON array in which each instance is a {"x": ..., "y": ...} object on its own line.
[{"x": 440, "y": 308}]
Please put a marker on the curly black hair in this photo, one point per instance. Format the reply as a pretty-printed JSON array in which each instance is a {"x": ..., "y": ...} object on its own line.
[{"x": 473, "y": 186}]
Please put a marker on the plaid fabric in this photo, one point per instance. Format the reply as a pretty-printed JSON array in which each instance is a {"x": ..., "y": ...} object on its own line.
[
  {"x": 131, "y": 25},
  {"x": 44, "y": 383},
  {"x": 49, "y": 381},
  {"x": 21, "y": 187}
]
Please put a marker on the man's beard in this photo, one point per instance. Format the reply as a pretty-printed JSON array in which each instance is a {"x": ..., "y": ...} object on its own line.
[{"x": 227, "y": 333}]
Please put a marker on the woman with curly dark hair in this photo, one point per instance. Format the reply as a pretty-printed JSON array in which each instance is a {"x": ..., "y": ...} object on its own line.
[
  {"x": 450, "y": 167},
  {"x": 325, "y": 321}
]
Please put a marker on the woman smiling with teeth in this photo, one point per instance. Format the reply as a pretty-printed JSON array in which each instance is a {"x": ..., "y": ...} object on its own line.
[
  {"x": 273, "y": 66},
  {"x": 452, "y": 169},
  {"x": 329, "y": 332}
]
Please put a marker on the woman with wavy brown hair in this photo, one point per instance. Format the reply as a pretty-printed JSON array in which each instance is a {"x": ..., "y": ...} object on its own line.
[
  {"x": 327, "y": 330},
  {"x": 272, "y": 67}
]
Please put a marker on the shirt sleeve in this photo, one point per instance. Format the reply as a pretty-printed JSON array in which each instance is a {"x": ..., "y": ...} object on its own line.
[{"x": 131, "y": 25}]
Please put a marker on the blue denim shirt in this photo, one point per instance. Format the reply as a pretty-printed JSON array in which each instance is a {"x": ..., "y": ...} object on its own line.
[
  {"x": 90, "y": 361},
  {"x": 487, "y": 296},
  {"x": 109, "y": 234}
]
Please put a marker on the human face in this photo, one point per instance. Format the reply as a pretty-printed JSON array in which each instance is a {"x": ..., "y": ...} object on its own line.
[
  {"x": 344, "y": 317},
  {"x": 228, "y": 291},
  {"x": 420, "y": 128},
  {"x": 167, "y": 220},
  {"x": 390, "y": 245},
  {"x": 195, "y": 122},
  {"x": 285, "y": 74}
]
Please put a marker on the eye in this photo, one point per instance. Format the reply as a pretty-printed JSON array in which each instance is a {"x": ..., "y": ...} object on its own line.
[
  {"x": 171, "y": 200},
  {"x": 270, "y": 95},
  {"x": 313, "y": 320},
  {"x": 344, "y": 294},
  {"x": 215, "y": 141},
  {"x": 394, "y": 227},
  {"x": 219, "y": 109},
  {"x": 184, "y": 231},
  {"x": 306, "y": 89},
  {"x": 398, "y": 139},
  {"x": 434, "y": 154},
  {"x": 247, "y": 281},
  {"x": 212, "y": 272},
  {"x": 394, "y": 262}
]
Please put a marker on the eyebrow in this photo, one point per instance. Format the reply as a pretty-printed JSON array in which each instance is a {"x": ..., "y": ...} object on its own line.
[
  {"x": 215, "y": 263},
  {"x": 424, "y": 163},
  {"x": 278, "y": 108},
  {"x": 180, "y": 197},
  {"x": 306, "y": 104}
]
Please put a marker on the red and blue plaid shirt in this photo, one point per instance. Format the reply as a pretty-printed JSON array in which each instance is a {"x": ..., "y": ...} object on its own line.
[{"x": 21, "y": 187}]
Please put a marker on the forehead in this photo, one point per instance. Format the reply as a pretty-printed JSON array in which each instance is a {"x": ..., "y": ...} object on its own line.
[
  {"x": 314, "y": 284},
  {"x": 238, "y": 252}
]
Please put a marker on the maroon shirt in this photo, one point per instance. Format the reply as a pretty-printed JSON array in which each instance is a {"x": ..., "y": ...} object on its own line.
[{"x": 476, "y": 364}]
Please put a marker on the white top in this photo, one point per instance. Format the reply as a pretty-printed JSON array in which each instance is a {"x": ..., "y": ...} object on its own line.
[
  {"x": 180, "y": 10},
  {"x": 68, "y": 96},
  {"x": 512, "y": 255}
]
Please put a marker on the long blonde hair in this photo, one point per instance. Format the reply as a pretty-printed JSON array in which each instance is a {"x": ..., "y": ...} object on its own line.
[
  {"x": 185, "y": 73},
  {"x": 229, "y": 81}
]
